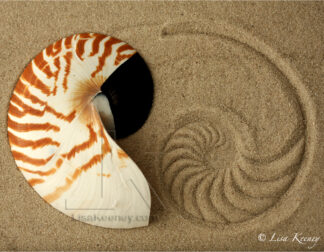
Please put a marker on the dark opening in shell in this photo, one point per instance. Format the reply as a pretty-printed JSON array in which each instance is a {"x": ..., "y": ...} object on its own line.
[{"x": 129, "y": 90}]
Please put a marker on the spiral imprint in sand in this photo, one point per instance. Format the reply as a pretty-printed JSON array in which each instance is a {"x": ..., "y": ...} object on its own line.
[{"x": 213, "y": 175}]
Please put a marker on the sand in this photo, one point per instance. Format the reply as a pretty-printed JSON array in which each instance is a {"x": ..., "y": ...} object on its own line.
[{"x": 233, "y": 148}]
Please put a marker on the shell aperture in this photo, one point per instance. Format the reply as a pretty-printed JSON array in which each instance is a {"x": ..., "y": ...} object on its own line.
[
  {"x": 59, "y": 137},
  {"x": 130, "y": 103}
]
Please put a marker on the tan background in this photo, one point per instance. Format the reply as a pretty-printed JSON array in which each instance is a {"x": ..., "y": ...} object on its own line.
[{"x": 294, "y": 29}]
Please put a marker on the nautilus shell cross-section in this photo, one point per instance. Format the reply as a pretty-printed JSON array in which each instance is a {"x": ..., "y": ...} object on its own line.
[{"x": 70, "y": 104}]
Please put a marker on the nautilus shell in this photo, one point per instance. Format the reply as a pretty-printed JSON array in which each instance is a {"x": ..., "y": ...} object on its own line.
[{"x": 68, "y": 105}]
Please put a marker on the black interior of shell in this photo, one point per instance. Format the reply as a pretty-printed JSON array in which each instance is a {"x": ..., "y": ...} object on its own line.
[{"x": 129, "y": 91}]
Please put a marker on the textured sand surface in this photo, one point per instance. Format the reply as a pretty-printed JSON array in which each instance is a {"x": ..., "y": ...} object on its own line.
[{"x": 234, "y": 143}]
